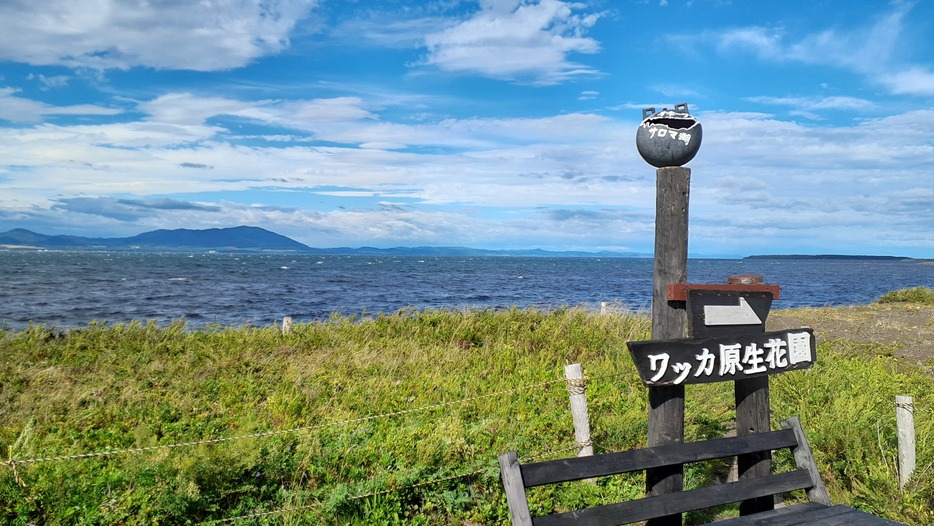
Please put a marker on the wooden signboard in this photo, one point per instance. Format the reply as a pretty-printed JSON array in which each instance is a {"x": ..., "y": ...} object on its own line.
[
  {"x": 724, "y": 313},
  {"x": 723, "y": 359}
]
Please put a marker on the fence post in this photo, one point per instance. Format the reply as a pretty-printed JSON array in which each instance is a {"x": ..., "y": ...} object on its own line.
[
  {"x": 904, "y": 416},
  {"x": 286, "y": 324},
  {"x": 577, "y": 390}
]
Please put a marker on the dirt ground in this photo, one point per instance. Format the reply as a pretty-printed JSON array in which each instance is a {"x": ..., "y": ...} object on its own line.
[{"x": 910, "y": 327}]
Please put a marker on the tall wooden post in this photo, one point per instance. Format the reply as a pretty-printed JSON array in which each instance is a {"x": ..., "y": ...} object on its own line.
[{"x": 669, "y": 321}]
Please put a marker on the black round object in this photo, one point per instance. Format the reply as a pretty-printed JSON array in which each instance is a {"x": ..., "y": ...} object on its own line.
[{"x": 669, "y": 137}]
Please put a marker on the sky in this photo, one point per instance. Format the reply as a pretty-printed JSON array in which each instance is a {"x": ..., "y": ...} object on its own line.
[{"x": 502, "y": 124}]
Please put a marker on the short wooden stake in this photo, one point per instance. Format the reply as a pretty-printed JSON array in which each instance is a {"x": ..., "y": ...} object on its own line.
[
  {"x": 577, "y": 390},
  {"x": 905, "y": 418},
  {"x": 286, "y": 324}
]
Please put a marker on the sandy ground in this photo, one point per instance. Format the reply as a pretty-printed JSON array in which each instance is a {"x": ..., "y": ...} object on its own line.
[{"x": 909, "y": 327}]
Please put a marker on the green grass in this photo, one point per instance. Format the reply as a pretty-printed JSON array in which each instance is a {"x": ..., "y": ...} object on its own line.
[
  {"x": 459, "y": 387},
  {"x": 916, "y": 295}
]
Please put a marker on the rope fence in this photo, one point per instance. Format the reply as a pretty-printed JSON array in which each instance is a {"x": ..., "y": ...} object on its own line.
[
  {"x": 576, "y": 388},
  {"x": 264, "y": 434},
  {"x": 283, "y": 511},
  {"x": 575, "y": 382}
]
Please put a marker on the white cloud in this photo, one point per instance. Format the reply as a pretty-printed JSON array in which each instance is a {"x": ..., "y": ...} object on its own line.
[
  {"x": 20, "y": 109},
  {"x": 766, "y": 43},
  {"x": 805, "y": 104},
  {"x": 480, "y": 181},
  {"x": 913, "y": 81},
  {"x": 163, "y": 34},
  {"x": 875, "y": 50},
  {"x": 517, "y": 41}
]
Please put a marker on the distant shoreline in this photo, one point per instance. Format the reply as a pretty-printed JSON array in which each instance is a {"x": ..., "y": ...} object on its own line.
[{"x": 831, "y": 256}]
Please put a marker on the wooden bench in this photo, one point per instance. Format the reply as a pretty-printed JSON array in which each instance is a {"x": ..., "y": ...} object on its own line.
[{"x": 818, "y": 510}]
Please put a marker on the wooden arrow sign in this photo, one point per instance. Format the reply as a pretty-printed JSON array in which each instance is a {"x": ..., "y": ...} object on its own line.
[
  {"x": 726, "y": 312},
  {"x": 741, "y": 314}
]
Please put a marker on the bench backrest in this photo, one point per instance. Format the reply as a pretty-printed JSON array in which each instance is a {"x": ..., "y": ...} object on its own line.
[{"x": 516, "y": 477}]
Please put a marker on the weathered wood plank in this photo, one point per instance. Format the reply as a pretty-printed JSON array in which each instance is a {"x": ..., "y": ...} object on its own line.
[
  {"x": 516, "y": 498},
  {"x": 799, "y": 514},
  {"x": 669, "y": 320},
  {"x": 786, "y": 516},
  {"x": 568, "y": 469},
  {"x": 679, "y": 291},
  {"x": 805, "y": 460},
  {"x": 677, "y": 503}
]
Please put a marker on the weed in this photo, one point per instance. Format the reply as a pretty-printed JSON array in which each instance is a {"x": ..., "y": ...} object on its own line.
[
  {"x": 916, "y": 295},
  {"x": 457, "y": 387}
]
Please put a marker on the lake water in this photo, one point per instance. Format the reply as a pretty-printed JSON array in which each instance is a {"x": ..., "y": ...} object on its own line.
[{"x": 72, "y": 289}]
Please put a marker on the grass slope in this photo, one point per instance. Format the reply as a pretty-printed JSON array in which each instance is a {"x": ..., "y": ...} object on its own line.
[{"x": 456, "y": 388}]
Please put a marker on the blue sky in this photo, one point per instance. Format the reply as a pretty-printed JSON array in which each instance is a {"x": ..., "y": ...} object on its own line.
[{"x": 496, "y": 124}]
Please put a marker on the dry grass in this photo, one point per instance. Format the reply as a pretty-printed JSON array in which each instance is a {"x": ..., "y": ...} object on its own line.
[{"x": 908, "y": 328}]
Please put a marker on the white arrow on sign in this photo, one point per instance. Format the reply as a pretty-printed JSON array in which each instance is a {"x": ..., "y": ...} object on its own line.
[{"x": 741, "y": 314}]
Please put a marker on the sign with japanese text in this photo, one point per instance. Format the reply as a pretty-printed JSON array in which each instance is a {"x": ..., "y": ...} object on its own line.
[{"x": 722, "y": 359}]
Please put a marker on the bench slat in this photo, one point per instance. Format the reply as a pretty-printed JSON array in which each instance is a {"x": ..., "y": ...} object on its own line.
[
  {"x": 794, "y": 515},
  {"x": 568, "y": 469},
  {"x": 809, "y": 513},
  {"x": 671, "y": 503}
]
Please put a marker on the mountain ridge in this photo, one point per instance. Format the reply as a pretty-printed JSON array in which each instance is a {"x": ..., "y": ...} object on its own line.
[
  {"x": 248, "y": 239},
  {"x": 234, "y": 239}
]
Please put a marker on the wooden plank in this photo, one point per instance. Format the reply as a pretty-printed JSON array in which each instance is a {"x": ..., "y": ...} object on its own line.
[
  {"x": 679, "y": 291},
  {"x": 842, "y": 516},
  {"x": 815, "y": 515},
  {"x": 812, "y": 513},
  {"x": 568, "y": 469},
  {"x": 805, "y": 460},
  {"x": 516, "y": 498},
  {"x": 677, "y": 503},
  {"x": 666, "y": 404},
  {"x": 786, "y": 516}
]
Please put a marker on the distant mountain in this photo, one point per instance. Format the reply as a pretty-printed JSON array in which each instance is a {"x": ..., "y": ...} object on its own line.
[
  {"x": 241, "y": 238},
  {"x": 252, "y": 239},
  {"x": 237, "y": 239}
]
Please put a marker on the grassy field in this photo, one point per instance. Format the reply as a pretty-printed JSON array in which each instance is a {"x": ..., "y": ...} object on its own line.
[{"x": 396, "y": 419}]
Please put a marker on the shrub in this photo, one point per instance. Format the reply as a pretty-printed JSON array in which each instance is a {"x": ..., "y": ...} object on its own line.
[{"x": 917, "y": 295}]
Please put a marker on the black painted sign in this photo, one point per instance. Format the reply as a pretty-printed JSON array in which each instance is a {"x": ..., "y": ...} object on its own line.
[
  {"x": 722, "y": 313},
  {"x": 723, "y": 359}
]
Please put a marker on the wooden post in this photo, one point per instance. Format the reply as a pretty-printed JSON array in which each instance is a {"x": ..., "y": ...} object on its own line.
[
  {"x": 669, "y": 321},
  {"x": 751, "y": 394},
  {"x": 519, "y": 514},
  {"x": 286, "y": 324},
  {"x": 577, "y": 391},
  {"x": 752, "y": 416},
  {"x": 905, "y": 418}
]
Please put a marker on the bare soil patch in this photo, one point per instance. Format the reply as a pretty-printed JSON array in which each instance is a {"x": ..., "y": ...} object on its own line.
[{"x": 909, "y": 327}]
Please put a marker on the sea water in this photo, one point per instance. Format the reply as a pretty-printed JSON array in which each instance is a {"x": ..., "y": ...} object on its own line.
[{"x": 64, "y": 289}]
